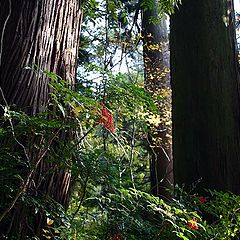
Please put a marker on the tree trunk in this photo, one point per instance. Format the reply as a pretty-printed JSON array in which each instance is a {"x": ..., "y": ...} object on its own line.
[
  {"x": 157, "y": 82},
  {"x": 205, "y": 84},
  {"x": 43, "y": 33}
]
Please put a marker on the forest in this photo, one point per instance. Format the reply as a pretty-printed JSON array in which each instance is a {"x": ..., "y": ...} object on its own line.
[{"x": 119, "y": 120}]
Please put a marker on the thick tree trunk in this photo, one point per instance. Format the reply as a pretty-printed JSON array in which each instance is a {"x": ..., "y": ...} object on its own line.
[
  {"x": 157, "y": 82},
  {"x": 43, "y": 33},
  {"x": 205, "y": 84}
]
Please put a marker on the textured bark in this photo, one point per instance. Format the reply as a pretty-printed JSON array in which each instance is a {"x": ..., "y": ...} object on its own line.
[
  {"x": 43, "y": 33},
  {"x": 157, "y": 82},
  {"x": 205, "y": 84}
]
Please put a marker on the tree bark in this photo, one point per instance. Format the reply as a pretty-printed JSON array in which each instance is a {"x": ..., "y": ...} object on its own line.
[
  {"x": 157, "y": 82},
  {"x": 43, "y": 33},
  {"x": 205, "y": 85}
]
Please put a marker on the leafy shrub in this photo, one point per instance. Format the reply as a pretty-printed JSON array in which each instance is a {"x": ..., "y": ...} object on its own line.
[{"x": 131, "y": 214}]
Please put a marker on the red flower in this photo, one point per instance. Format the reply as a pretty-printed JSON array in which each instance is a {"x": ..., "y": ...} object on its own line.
[
  {"x": 116, "y": 236},
  {"x": 202, "y": 199},
  {"x": 106, "y": 119},
  {"x": 192, "y": 224}
]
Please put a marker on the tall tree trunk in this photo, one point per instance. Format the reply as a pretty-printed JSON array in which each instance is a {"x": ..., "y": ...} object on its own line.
[
  {"x": 205, "y": 84},
  {"x": 43, "y": 33},
  {"x": 157, "y": 82}
]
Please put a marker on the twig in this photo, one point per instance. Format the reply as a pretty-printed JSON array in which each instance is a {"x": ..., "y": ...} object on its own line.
[
  {"x": 81, "y": 199},
  {"x": 3, "y": 30},
  {"x": 132, "y": 154},
  {"x": 25, "y": 183},
  {"x": 13, "y": 132}
]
